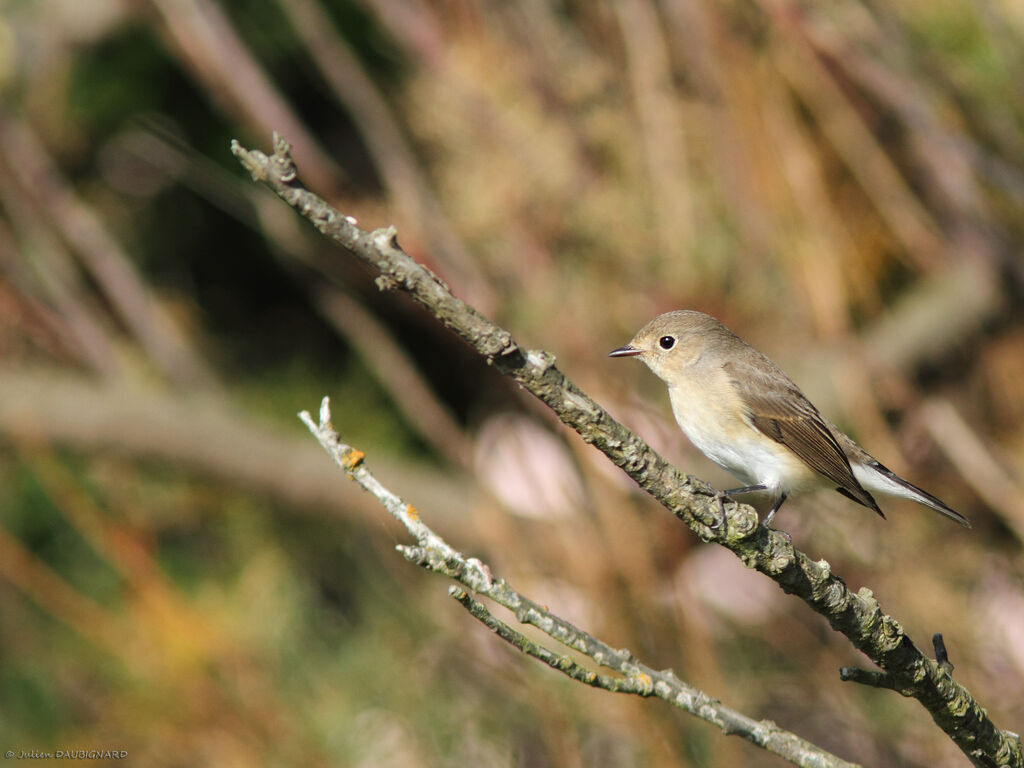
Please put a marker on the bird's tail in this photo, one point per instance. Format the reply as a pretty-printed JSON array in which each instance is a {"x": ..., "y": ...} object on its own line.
[{"x": 877, "y": 477}]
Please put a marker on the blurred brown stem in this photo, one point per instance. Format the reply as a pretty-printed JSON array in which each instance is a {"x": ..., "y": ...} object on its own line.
[
  {"x": 387, "y": 145},
  {"x": 209, "y": 44},
  {"x": 42, "y": 269},
  {"x": 942, "y": 312},
  {"x": 975, "y": 462},
  {"x": 865, "y": 159},
  {"x": 413, "y": 25},
  {"x": 39, "y": 581},
  {"x": 662, "y": 134},
  {"x": 390, "y": 365},
  {"x": 394, "y": 370},
  {"x": 100, "y": 253},
  {"x": 200, "y": 433}
]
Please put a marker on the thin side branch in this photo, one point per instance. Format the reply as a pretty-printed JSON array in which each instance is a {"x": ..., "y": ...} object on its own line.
[
  {"x": 436, "y": 555},
  {"x": 858, "y": 616},
  {"x": 869, "y": 677},
  {"x": 875, "y": 679}
]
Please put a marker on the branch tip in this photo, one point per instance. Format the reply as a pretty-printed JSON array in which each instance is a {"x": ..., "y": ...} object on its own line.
[
  {"x": 941, "y": 655},
  {"x": 282, "y": 147},
  {"x": 254, "y": 161},
  {"x": 411, "y": 553}
]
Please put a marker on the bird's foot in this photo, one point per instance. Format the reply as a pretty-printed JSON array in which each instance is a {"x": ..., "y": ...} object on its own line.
[
  {"x": 720, "y": 522},
  {"x": 767, "y": 522}
]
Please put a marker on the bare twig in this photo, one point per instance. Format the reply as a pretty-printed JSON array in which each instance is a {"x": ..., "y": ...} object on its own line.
[
  {"x": 435, "y": 554},
  {"x": 858, "y": 616},
  {"x": 869, "y": 677},
  {"x": 875, "y": 679}
]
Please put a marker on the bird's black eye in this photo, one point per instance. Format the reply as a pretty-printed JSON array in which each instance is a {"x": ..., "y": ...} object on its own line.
[{"x": 667, "y": 342}]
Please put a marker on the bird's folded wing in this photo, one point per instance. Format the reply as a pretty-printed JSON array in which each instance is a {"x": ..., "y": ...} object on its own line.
[{"x": 779, "y": 410}]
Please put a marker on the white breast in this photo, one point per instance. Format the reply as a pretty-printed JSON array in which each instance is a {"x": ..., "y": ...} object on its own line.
[{"x": 716, "y": 426}]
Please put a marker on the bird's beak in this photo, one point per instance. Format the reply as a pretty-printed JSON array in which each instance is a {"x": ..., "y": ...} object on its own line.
[{"x": 626, "y": 351}]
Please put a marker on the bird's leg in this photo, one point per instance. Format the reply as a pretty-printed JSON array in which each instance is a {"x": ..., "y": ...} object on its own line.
[
  {"x": 745, "y": 489},
  {"x": 773, "y": 510},
  {"x": 734, "y": 492}
]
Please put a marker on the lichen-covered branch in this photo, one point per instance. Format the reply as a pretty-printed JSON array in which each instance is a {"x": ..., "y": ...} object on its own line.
[
  {"x": 858, "y": 616},
  {"x": 435, "y": 554}
]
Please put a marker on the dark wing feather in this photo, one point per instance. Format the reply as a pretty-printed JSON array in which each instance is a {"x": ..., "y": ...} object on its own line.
[{"x": 779, "y": 409}]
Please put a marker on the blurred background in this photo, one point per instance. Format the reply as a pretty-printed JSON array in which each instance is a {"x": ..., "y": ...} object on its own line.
[{"x": 184, "y": 574}]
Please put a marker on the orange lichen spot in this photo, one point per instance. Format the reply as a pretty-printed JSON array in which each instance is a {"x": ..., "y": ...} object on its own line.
[
  {"x": 353, "y": 459},
  {"x": 412, "y": 512},
  {"x": 645, "y": 680}
]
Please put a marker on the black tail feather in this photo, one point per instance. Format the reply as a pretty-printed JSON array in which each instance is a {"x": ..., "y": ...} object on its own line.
[{"x": 923, "y": 497}]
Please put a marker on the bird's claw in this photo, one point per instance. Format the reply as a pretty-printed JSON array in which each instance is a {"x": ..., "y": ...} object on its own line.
[{"x": 720, "y": 522}]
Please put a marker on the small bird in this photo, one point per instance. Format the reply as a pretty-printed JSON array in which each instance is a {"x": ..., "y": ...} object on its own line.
[{"x": 746, "y": 415}]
